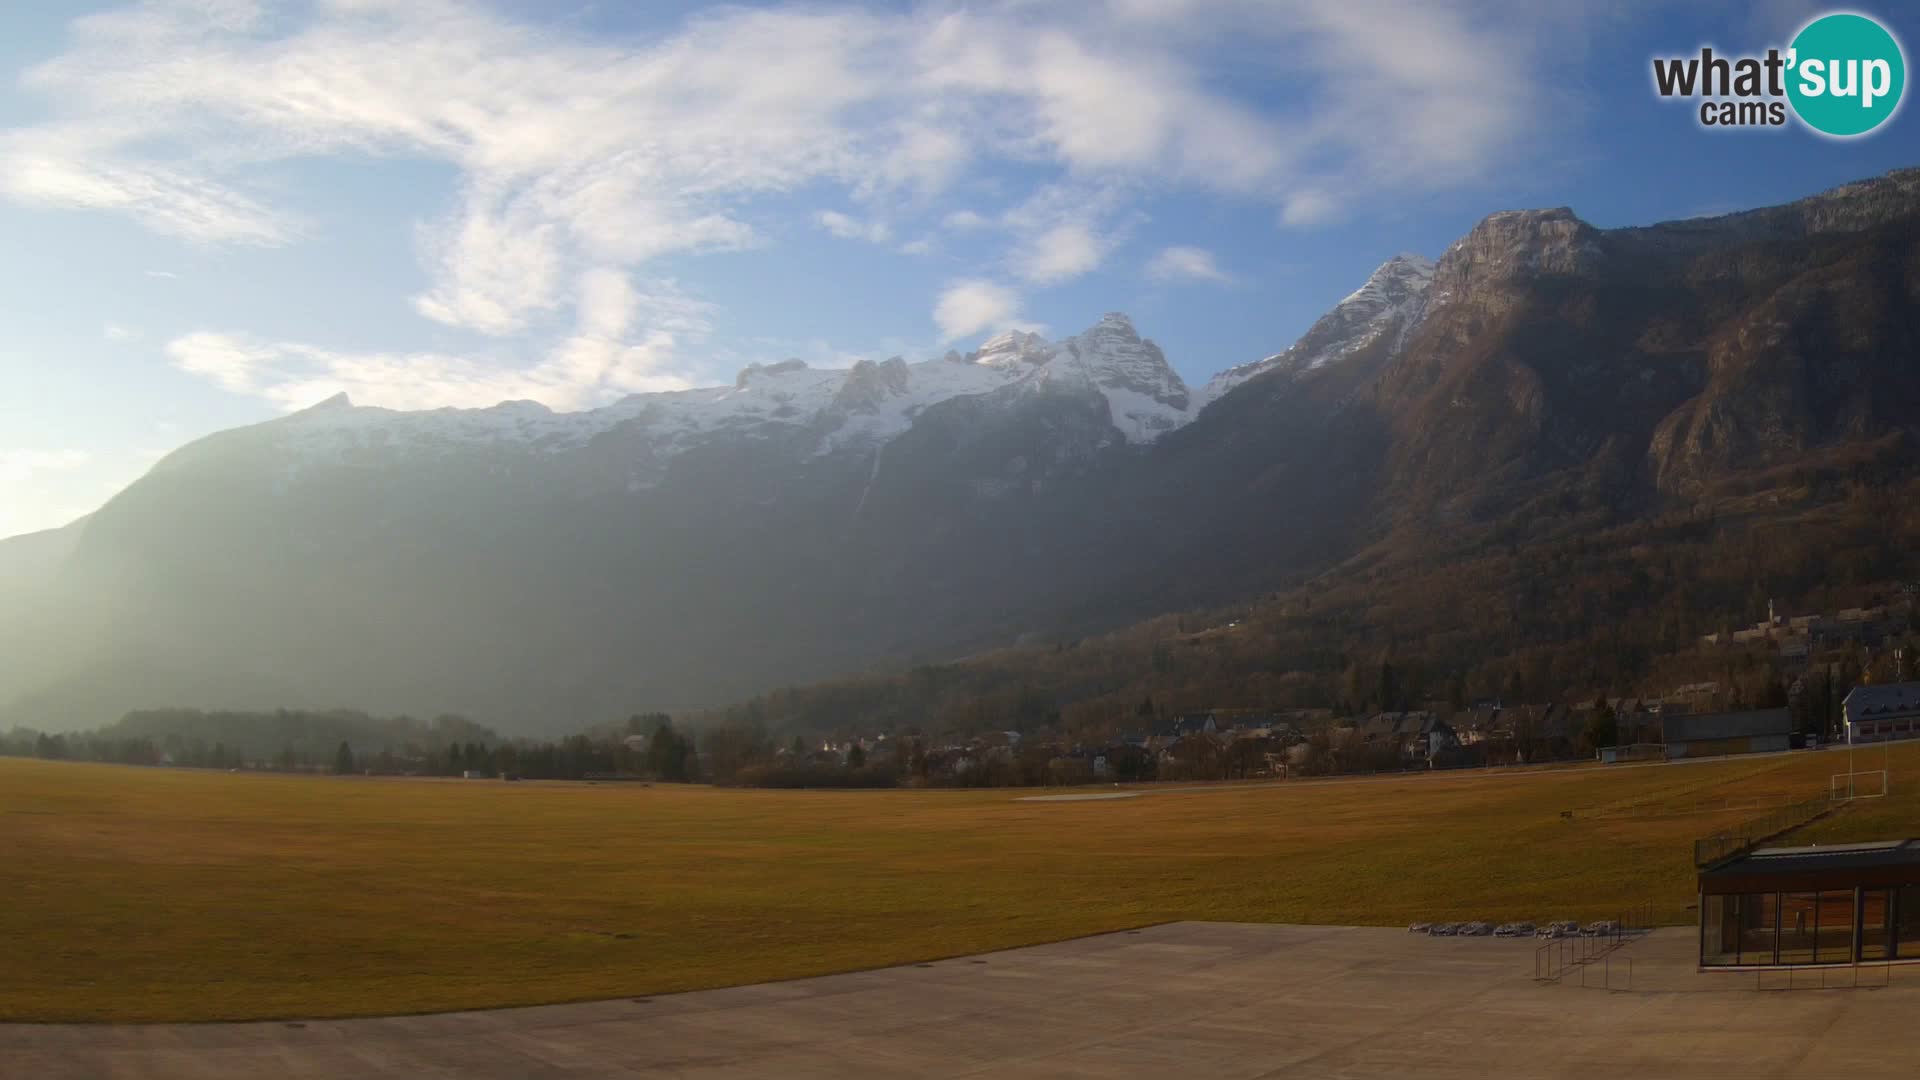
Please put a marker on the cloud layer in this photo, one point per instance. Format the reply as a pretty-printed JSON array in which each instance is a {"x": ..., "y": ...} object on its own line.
[
  {"x": 967, "y": 308},
  {"x": 623, "y": 342},
  {"x": 579, "y": 160},
  {"x": 1183, "y": 263}
]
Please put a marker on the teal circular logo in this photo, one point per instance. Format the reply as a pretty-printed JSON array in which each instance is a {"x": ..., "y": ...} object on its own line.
[{"x": 1846, "y": 75}]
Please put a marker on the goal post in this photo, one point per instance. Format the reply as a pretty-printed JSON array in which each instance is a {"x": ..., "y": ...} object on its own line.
[{"x": 1846, "y": 786}]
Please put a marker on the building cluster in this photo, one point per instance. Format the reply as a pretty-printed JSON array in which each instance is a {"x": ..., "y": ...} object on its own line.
[
  {"x": 1798, "y": 639},
  {"x": 1215, "y": 745},
  {"x": 1199, "y": 745},
  {"x": 1218, "y": 745}
]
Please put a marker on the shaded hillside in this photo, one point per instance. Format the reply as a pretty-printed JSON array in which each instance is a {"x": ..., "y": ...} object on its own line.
[{"x": 1552, "y": 603}]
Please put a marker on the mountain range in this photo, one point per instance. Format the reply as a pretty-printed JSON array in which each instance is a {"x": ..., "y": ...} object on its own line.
[{"x": 541, "y": 571}]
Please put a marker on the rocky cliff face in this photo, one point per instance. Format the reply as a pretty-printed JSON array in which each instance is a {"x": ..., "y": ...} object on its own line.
[{"x": 1645, "y": 363}]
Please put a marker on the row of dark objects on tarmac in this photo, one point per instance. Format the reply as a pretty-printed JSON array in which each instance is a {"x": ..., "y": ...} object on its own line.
[{"x": 1564, "y": 928}]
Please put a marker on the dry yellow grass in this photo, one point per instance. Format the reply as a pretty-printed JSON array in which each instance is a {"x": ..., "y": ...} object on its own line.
[{"x": 147, "y": 894}]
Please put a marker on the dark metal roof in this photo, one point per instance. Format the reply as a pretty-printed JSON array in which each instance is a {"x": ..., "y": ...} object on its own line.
[
  {"x": 1389, "y": 724},
  {"x": 1700, "y": 727},
  {"x": 1826, "y": 866},
  {"x": 1887, "y": 699}
]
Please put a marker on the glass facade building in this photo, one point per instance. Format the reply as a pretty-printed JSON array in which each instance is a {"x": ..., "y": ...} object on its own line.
[{"x": 1839, "y": 904}]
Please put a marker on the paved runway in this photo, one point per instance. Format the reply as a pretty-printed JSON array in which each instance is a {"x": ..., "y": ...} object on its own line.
[{"x": 1189, "y": 999}]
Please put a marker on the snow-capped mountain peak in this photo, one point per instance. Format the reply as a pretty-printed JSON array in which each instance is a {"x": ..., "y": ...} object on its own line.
[
  {"x": 1012, "y": 349},
  {"x": 758, "y": 371},
  {"x": 865, "y": 405},
  {"x": 1392, "y": 301},
  {"x": 1395, "y": 281},
  {"x": 1146, "y": 396}
]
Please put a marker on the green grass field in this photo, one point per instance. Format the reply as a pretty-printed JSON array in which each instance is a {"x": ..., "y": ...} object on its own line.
[{"x": 149, "y": 894}]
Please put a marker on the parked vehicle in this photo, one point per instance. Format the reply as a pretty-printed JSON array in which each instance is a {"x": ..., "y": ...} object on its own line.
[
  {"x": 1444, "y": 929},
  {"x": 1514, "y": 929},
  {"x": 1419, "y": 927},
  {"x": 1476, "y": 929},
  {"x": 1559, "y": 929},
  {"x": 1602, "y": 928}
]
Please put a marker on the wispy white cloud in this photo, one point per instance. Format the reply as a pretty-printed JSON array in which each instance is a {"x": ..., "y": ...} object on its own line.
[
  {"x": 117, "y": 334},
  {"x": 968, "y": 307},
  {"x": 1061, "y": 253},
  {"x": 229, "y": 361},
  {"x": 161, "y": 110},
  {"x": 849, "y": 228},
  {"x": 581, "y": 373},
  {"x": 573, "y": 155},
  {"x": 1309, "y": 207},
  {"x": 609, "y": 354},
  {"x": 966, "y": 220},
  {"x": 1063, "y": 231},
  {"x": 78, "y": 168},
  {"x": 1183, "y": 263},
  {"x": 494, "y": 268}
]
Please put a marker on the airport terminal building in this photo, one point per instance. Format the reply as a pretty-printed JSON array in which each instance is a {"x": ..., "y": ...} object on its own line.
[{"x": 1831, "y": 904}]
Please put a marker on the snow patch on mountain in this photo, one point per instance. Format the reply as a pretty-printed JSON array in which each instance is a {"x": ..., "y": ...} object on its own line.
[
  {"x": 866, "y": 405},
  {"x": 1145, "y": 396},
  {"x": 1393, "y": 301}
]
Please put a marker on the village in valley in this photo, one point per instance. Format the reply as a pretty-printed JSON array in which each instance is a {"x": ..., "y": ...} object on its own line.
[{"x": 1840, "y": 678}]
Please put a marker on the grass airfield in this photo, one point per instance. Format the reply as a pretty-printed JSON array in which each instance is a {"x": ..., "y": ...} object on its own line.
[{"x": 172, "y": 895}]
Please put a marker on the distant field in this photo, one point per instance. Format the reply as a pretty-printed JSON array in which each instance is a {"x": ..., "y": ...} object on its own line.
[{"x": 149, "y": 894}]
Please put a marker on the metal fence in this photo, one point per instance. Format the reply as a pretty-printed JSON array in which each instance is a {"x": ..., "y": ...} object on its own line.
[
  {"x": 1592, "y": 955},
  {"x": 1722, "y": 845}
]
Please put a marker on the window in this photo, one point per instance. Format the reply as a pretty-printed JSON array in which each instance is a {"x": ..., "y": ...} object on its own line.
[
  {"x": 1759, "y": 926},
  {"x": 1719, "y": 931},
  {"x": 1907, "y": 924},
  {"x": 1799, "y": 922},
  {"x": 1834, "y": 932},
  {"x": 1876, "y": 924}
]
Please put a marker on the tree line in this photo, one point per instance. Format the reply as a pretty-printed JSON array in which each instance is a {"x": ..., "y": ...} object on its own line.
[{"x": 649, "y": 746}]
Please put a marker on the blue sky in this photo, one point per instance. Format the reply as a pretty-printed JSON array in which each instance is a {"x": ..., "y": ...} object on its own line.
[{"x": 219, "y": 210}]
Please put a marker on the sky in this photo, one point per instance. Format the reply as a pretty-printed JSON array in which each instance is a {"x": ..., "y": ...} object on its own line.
[{"x": 218, "y": 211}]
